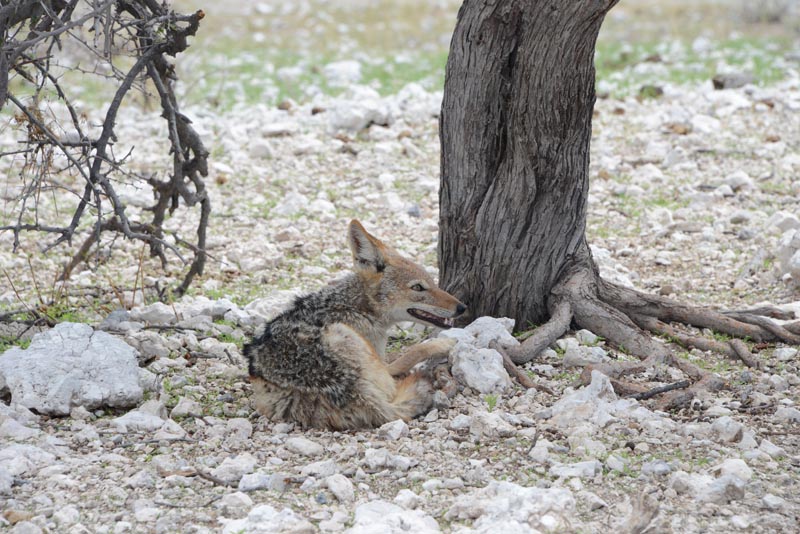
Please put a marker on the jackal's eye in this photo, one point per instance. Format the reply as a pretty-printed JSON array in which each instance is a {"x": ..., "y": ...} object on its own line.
[{"x": 418, "y": 287}]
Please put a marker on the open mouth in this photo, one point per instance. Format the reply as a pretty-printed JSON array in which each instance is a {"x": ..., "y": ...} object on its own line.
[{"x": 441, "y": 322}]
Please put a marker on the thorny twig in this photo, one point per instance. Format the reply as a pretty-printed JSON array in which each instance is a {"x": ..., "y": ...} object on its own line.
[{"x": 31, "y": 53}]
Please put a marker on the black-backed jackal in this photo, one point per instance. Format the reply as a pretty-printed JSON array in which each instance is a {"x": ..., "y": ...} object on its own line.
[{"x": 321, "y": 362}]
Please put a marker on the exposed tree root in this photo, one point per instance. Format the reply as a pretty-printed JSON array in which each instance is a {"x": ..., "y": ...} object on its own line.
[
  {"x": 734, "y": 349},
  {"x": 661, "y": 389},
  {"x": 545, "y": 335},
  {"x": 524, "y": 380},
  {"x": 737, "y": 324},
  {"x": 625, "y": 318},
  {"x": 794, "y": 327},
  {"x": 780, "y": 332},
  {"x": 764, "y": 311}
]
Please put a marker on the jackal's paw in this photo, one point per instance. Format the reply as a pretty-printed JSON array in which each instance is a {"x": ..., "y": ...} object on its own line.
[
  {"x": 444, "y": 382},
  {"x": 423, "y": 398},
  {"x": 440, "y": 347}
]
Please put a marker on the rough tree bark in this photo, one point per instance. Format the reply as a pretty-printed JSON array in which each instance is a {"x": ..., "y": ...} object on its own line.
[{"x": 515, "y": 130}]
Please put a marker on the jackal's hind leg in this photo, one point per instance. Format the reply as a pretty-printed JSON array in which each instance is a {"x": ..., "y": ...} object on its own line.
[
  {"x": 414, "y": 396},
  {"x": 411, "y": 356},
  {"x": 269, "y": 400}
]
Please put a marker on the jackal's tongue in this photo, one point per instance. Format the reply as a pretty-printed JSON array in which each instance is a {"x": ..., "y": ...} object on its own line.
[{"x": 441, "y": 322}]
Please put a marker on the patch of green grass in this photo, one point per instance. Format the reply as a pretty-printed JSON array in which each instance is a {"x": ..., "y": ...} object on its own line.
[
  {"x": 623, "y": 67},
  {"x": 597, "y": 341},
  {"x": 663, "y": 200},
  {"x": 7, "y": 342},
  {"x": 721, "y": 337},
  {"x": 390, "y": 76},
  {"x": 567, "y": 375},
  {"x": 522, "y": 335},
  {"x": 63, "y": 312},
  {"x": 491, "y": 402},
  {"x": 702, "y": 461},
  {"x": 227, "y": 338},
  {"x": 234, "y": 72},
  {"x": 269, "y": 76},
  {"x": 400, "y": 339},
  {"x": 602, "y": 232},
  {"x": 630, "y": 205},
  {"x": 167, "y": 386}
]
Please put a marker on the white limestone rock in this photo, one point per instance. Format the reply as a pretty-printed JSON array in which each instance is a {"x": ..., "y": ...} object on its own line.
[
  {"x": 480, "y": 369},
  {"x": 582, "y": 356},
  {"x": 592, "y": 404},
  {"x": 170, "y": 430},
  {"x": 787, "y": 414},
  {"x": 72, "y": 365},
  {"x": 586, "y": 469},
  {"x": 321, "y": 469},
  {"x": 586, "y": 337},
  {"x": 770, "y": 449},
  {"x": 237, "y": 431},
  {"x": 788, "y": 246},
  {"x": 6, "y": 481},
  {"x": 381, "y": 517},
  {"x": 492, "y": 329},
  {"x": 66, "y": 516},
  {"x": 407, "y": 499},
  {"x": 393, "y": 430},
  {"x": 363, "y": 108},
  {"x": 231, "y": 470},
  {"x": 136, "y": 421},
  {"x": 304, "y": 447},
  {"x": 149, "y": 344},
  {"x": 489, "y": 425},
  {"x": 773, "y": 502},
  {"x": 728, "y": 429},
  {"x": 736, "y": 467},
  {"x": 16, "y": 431},
  {"x": 723, "y": 490},
  {"x": 341, "y": 487},
  {"x": 507, "y": 507},
  {"x": 157, "y": 313},
  {"x": 234, "y": 505},
  {"x": 185, "y": 408},
  {"x": 264, "y": 519},
  {"x": 24, "y": 460},
  {"x": 785, "y": 354},
  {"x": 782, "y": 221},
  {"x": 342, "y": 73},
  {"x": 291, "y": 204},
  {"x": 260, "y": 480}
]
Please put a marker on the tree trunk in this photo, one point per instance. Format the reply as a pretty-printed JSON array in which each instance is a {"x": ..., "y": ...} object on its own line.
[{"x": 515, "y": 130}]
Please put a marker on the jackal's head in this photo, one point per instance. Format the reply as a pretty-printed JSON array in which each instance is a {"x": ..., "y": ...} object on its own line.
[{"x": 397, "y": 288}]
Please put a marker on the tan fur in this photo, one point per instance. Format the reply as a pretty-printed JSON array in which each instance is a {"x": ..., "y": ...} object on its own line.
[{"x": 321, "y": 363}]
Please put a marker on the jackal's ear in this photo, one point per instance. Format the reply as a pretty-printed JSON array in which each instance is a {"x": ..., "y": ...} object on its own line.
[{"x": 367, "y": 249}]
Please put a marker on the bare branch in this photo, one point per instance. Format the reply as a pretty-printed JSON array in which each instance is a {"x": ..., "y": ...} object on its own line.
[{"x": 148, "y": 30}]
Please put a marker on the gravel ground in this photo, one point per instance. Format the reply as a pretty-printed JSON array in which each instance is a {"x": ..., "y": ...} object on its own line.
[{"x": 692, "y": 195}]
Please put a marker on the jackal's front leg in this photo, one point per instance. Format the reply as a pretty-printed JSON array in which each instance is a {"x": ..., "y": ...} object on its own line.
[{"x": 411, "y": 356}]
